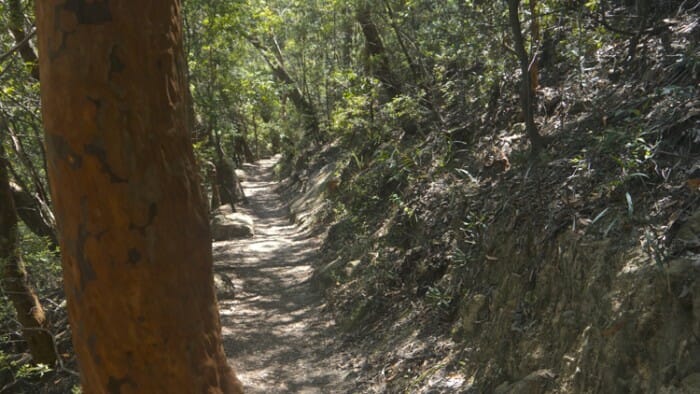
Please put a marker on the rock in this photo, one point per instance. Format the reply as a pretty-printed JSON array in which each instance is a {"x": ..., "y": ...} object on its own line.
[
  {"x": 470, "y": 312},
  {"x": 534, "y": 383},
  {"x": 225, "y": 209},
  {"x": 327, "y": 275},
  {"x": 684, "y": 234},
  {"x": 352, "y": 267},
  {"x": 688, "y": 232},
  {"x": 233, "y": 225},
  {"x": 691, "y": 384},
  {"x": 241, "y": 175},
  {"x": 224, "y": 286},
  {"x": 503, "y": 388}
]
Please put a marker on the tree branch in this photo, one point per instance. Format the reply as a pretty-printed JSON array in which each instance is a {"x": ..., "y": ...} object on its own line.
[{"x": 17, "y": 46}]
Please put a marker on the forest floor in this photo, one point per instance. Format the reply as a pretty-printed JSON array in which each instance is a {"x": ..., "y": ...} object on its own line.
[{"x": 275, "y": 329}]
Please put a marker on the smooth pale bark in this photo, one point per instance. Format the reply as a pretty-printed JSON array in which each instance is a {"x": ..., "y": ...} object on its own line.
[{"x": 132, "y": 219}]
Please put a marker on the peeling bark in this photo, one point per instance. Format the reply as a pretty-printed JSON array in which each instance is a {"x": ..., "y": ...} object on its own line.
[{"x": 132, "y": 218}]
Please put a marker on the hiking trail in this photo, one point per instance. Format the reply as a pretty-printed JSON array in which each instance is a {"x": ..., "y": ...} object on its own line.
[{"x": 276, "y": 333}]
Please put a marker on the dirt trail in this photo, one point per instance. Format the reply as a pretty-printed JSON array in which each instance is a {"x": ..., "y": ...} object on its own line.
[{"x": 275, "y": 331}]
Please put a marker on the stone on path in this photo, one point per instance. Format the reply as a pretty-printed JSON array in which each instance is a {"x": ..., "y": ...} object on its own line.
[{"x": 227, "y": 224}]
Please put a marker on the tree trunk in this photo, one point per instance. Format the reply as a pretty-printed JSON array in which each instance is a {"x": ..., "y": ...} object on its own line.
[
  {"x": 306, "y": 109},
  {"x": 526, "y": 97},
  {"x": 243, "y": 150},
  {"x": 16, "y": 19},
  {"x": 227, "y": 183},
  {"x": 376, "y": 60},
  {"x": 255, "y": 135},
  {"x": 30, "y": 210},
  {"x": 535, "y": 39},
  {"x": 215, "y": 201},
  {"x": 15, "y": 284},
  {"x": 35, "y": 213},
  {"x": 132, "y": 219}
]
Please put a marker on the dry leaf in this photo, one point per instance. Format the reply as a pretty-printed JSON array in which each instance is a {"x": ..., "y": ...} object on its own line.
[{"x": 694, "y": 184}]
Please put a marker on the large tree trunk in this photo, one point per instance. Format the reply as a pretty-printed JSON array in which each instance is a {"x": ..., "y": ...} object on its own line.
[
  {"x": 15, "y": 284},
  {"x": 132, "y": 219}
]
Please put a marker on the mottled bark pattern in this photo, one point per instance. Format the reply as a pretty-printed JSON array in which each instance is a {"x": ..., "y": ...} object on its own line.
[{"x": 132, "y": 219}]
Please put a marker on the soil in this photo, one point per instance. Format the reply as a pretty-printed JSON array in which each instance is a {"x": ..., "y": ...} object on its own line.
[{"x": 276, "y": 332}]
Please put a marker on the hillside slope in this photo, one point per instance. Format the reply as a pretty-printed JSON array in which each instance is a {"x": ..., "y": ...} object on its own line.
[{"x": 460, "y": 263}]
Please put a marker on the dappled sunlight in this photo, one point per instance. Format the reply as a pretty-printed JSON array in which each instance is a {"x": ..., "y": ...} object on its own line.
[{"x": 274, "y": 329}]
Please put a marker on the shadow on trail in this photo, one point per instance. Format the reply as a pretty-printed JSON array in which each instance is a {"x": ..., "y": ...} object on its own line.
[{"x": 274, "y": 329}]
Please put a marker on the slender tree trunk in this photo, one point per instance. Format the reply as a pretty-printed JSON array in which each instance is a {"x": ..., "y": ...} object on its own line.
[
  {"x": 29, "y": 209},
  {"x": 26, "y": 51},
  {"x": 348, "y": 32},
  {"x": 15, "y": 283},
  {"x": 535, "y": 38},
  {"x": 255, "y": 135},
  {"x": 37, "y": 180},
  {"x": 132, "y": 218},
  {"x": 376, "y": 60},
  {"x": 227, "y": 182},
  {"x": 642, "y": 7},
  {"x": 302, "y": 103},
  {"x": 526, "y": 97},
  {"x": 243, "y": 150},
  {"x": 415, "y": 69}
]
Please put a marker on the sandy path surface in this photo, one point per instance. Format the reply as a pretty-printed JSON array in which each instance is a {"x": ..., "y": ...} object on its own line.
[{"x": 275, "y": 331}]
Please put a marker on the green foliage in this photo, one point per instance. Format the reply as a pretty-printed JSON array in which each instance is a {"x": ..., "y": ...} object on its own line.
[
  {"x": 32, "y": 371},
  {"x": 13, "y": 369},
  {"x": 438, "y": 298},
  {"x": 353, "y": 114},
  {"x": 403, "y": 207},
  {"x": 43, "y": 264}
]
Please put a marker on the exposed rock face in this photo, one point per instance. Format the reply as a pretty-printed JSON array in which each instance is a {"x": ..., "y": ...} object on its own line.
[
  {"x": 601, "y": 316},
  {"x": 227, "y": 224}
]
